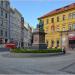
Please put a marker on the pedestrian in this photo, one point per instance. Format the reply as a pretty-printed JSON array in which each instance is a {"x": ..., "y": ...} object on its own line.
[{"x": 64, "y": 51}]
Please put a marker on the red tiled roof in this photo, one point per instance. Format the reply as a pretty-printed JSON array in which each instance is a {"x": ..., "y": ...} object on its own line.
[{"x": 68, "y": 7}]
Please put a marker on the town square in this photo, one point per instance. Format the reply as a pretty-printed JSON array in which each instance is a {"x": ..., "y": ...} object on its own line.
[{"x": 37, "y": 37}]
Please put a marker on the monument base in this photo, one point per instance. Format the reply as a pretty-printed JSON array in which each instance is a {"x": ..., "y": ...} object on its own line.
[{"x": 40, "y": 46}]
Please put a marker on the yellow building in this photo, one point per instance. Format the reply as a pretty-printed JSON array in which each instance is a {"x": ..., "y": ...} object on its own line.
[{"x": 57, "y": 24}]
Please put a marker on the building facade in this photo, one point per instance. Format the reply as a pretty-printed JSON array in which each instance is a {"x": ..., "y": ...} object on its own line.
[
  {"x": 59, "y": 26},
  {"x": 15, "y": 27},
  {"x": 12, "y": 29},
  {"x": 19, "y": 34},
  {"x": 27, "y": 35},
  {"x": 4, "y": 21},
  {"x": 22, "y": 32}
]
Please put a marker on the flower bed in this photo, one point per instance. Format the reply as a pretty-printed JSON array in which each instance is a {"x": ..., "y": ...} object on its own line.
[{"x": 19, "y": 50}]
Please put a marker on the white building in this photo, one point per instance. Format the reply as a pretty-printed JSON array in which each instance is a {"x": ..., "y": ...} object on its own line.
[
  {"x": 4, "y": 21},
  {"x": 27, "y": 35},
  {"x": 11, "y": 23},
  {"x": 15, "y": 27}
]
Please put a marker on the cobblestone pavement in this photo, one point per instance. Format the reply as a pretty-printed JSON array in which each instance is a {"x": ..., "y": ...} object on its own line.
[{"x": 64, "y": 64}]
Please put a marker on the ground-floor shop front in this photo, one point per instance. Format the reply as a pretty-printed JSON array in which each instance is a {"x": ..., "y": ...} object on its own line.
[
  {"x": 53, "y": 40},
  {"x": 71, "y": 39},
  {"x": 62, "y": 39},
  {"x": 68, "y": 39}
]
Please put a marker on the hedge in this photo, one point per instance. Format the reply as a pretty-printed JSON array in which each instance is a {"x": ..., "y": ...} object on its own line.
[{"x": 19, "y": 50}]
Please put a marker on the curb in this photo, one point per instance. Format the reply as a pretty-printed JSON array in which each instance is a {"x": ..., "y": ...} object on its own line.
[{"x": 34, "y": 54}]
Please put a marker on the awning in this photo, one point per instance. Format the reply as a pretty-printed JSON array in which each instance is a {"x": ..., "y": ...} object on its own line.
[{"x": 72, "y": 38}]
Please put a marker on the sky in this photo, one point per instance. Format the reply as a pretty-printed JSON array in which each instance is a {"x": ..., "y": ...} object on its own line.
[{"x": 33, "y": 9}]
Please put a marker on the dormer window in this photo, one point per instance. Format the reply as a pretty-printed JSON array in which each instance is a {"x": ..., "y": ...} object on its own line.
[
  {"x": 66, "y": 7},
  {"x": 58, "y": 9}
]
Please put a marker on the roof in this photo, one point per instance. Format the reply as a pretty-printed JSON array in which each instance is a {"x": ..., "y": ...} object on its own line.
[
  {"x": 68, "y": 7},
  {"x": 15, "y": 10},
  {"x": 11, "y": 10}
]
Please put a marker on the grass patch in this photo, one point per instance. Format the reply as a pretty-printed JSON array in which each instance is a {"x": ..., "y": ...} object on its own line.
[{"x": 19, "y": 50}]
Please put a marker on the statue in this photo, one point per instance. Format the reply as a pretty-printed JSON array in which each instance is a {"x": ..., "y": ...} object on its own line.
[{"x": 39, "y": 37}]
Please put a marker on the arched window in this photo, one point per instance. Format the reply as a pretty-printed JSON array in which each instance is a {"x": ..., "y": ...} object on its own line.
[
  {"x": 52, "y": 28},
  {"x": 52, "y": 43},
  {"x": 57, "y": 43}
]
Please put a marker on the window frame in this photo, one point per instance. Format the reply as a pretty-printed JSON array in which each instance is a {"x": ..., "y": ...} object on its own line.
[
  {"x": 52, "y": 20},
  {"x": 64, "y": 17},
  {"x": 47, "y": 21},
  {"x": 58, "y": 18}
]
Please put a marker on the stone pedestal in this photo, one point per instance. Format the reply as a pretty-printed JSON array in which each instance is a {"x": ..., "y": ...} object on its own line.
[{"x": 39, "y": 39}]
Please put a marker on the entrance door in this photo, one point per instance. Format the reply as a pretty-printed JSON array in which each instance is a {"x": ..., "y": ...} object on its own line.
[{"x": 72, "y": 43}]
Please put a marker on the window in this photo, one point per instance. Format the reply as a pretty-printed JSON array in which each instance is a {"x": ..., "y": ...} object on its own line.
[
  {"x": 64, "y": 29},
  {"x": 1, "y": 41},
  {"x": 5, "y": 33},
  {"x": 66, "y": 7},
  {"x": 46, "y": 29},
  {"x": 1, "y": 23},
  {"x": 7, "y": 3},
  {"x": 5, "y": 15},
  {"x": 52, "y": 20},
  {"x": 64, "y": 17},
  {"x": 52, "y": 28},
  {"x": 52, "y": 43},
  {"x": 1, "y": 32},
  {"x": 57, "y": 28},
  {"x": 70, "y": 26},
  {"x": 1, "y": 12},
  {"x": 57, "y": 43},
  {"x": 57, "y": 19},
  {"x": 2, "y": 3},
  {"x": 73, "y": 15},
  {"x": 74, "y": 26},
  {"x": 70, "y": 16},
  {"x": 47, "y": 21}
]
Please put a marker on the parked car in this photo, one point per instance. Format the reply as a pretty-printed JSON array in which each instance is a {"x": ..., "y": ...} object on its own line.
[{"x": 10, "y": 45}]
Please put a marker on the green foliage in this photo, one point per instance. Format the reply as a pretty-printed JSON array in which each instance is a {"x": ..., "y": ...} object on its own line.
[{"x": 19, "y": 50}]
